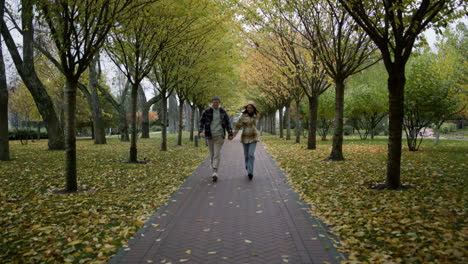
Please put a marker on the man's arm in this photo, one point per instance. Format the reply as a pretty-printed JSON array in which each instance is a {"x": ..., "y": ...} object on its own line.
[
  {"x": 228, "y": 124},
  {"x": 202, "y": 123}
]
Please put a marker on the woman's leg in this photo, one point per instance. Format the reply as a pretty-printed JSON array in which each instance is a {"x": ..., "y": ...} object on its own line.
[
  {"x": 251, "y": 157},
  {"x": 246, "y": 154}
]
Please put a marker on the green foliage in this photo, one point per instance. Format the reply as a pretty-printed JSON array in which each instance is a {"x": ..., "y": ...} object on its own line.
[
  {"x": 452, "y": 64},
  {"x": 18, "y": 134},
  {"x": 347, "y": 130},
  {"x": 155, "y": 128},
  {"x": 366, "y": 102},
  {"x": 89, "y": 226},
  {"x": 448, "y": 128},
  {"x": 429, "y": 96},
  {"x": 326, "y": 108},
  {"x": 426, "y": 224},
  {"x": 367, "y": 92}
]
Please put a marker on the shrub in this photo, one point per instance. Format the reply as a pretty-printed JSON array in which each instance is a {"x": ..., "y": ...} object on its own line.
[
  {"x": 155, "y": 128},
  {"x": 347, "y": 130},
  {"x": 448, "y": 127},
  {"x": 25, "y": 134}
]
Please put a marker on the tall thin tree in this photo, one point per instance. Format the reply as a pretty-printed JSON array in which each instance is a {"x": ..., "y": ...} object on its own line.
[
  {"x": 394, "y": 26},
  {"x": 78, "y": 30},
  {"x": 24, "y": 64},
  {"x": 4, "y": 143},
  {"x": 342, "y": 48}
]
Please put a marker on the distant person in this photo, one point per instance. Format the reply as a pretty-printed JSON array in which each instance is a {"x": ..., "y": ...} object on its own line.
[
  {"x": 249, "y": 138},
  {"x": 213, "y": 125}
]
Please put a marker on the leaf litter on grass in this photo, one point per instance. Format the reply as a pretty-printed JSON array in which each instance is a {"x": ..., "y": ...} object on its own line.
[
  {"x": 419, "y": 225},
  {"x": 38, "y": 225}
]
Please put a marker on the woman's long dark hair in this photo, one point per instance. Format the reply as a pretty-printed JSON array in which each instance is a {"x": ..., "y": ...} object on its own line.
[{"x": 255, "y": 112}]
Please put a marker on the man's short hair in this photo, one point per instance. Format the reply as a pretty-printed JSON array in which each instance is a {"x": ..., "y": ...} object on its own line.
[{"x": 215, "y": 98}]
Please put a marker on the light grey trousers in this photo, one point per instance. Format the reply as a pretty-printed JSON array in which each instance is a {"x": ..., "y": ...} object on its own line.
[{"x": 215, "y": 144}]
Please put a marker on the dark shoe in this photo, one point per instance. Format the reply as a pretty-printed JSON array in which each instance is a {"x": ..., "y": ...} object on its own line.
[
  {"x": 215, "y": 177},
  {"x": 250, "y": 176}
]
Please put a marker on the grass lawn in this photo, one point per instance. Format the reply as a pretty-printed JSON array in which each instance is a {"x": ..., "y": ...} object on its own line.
[
  {"x": 39, "y": 226},
  {"x": 426, "y": 224}
]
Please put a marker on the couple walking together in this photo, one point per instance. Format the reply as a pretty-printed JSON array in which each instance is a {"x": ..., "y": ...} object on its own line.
[{"x": 213, "y": 126}]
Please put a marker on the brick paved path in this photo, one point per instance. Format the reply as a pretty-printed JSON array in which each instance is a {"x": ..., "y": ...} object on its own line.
[{"x": 232, "y": 221}]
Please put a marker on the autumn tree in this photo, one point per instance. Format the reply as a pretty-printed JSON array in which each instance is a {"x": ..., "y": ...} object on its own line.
[
  {"x": 21, "y": 104},
  {"x": 342, "y": 48},
  {"x": 394, "y": 27},
  {"x": 194, "y": 20},
  {"x": 451, "y": 60},
  {"x": 4, "y": 144},
  {"x": 78, "y": 30},
  {"x": 119, "y": 102},
  {"x": 261, "y": 73},
  {"x": 325, "y": 113},
  {"x": 430, "y": 96},
  {"x": 366, "y": 102},
  {"x": 134, "y": 47},
  {"x": 24, "y": 63}
]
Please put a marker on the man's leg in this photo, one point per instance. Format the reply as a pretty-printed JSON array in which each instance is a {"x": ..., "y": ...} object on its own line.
[
  {"x": 217, "y": 146},
  {"x": 211, "y": 149}
]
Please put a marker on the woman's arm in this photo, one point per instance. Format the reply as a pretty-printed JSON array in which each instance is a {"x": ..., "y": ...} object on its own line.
[{"x": 238, "y": 126}]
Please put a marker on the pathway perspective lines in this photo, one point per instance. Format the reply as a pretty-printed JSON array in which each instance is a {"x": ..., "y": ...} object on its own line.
[{"x": 234, "y": 220}]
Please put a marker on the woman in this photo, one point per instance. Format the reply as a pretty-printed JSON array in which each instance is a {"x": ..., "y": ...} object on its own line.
[{"x": 248, "y": 122}]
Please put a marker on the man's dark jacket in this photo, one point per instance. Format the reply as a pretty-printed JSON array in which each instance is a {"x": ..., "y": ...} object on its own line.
[{"x": 207, "y": 117}]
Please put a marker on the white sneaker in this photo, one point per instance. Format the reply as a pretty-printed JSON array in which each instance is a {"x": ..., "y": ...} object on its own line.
[{"x": 215, "y": 176}]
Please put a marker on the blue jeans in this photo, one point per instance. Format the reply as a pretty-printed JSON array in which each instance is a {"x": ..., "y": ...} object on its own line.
[{"x": 249, "y": 155}]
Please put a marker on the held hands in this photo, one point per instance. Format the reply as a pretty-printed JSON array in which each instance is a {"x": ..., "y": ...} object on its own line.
[{"x": 203, "y": 135}]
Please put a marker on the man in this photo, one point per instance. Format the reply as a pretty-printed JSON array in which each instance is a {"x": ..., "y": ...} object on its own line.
[{"x": 213, "y": 125}]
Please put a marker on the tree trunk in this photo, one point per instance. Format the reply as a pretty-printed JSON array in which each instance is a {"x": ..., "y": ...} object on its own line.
[
  {"x": 27, "y": 72},
  {"x": 188, "y": 115},
  {"x": 181, "y": 122},
  {"x": 133, "y": 138},
  {"x": 123, "y": 125},
  {"x": 145, "y": 108},
  {"x": 298, "y": 122},
  {"x": 173, "y": 114},
  {"x": 288, "y": 122},
  {"x": 273, "y": 123},
  {"x": 4, "y": 142},
  {"x": 145, "y": 123},
  {"x": 313, "y": 112},
  {"x": 281, "y": 125},
  {"x": 192, "y": 121},
  {"x": 437, "y": 135},
  {"x": 164, "y": 121},
  {"x": 337, "y": 149},
  {"x": 92, "y": 129},
  {"x": 98, "y": 120},
  {"x": 70, "y": 136},
  {"x": 38, "y": 130},
  {"x": 324, "y": 130},
  {"x": 396, "y": 86}
]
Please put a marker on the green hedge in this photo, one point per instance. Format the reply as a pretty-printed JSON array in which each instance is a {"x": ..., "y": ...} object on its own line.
[
  {"x": 155, "y": 128},
  {"x": 25, "y": 134},
  {"x": 448, "y": 128},
  {"x": 347, "y": 130}
]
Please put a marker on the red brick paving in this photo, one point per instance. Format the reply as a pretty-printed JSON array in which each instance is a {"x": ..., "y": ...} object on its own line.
[{"x": 233, "y": 221}]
